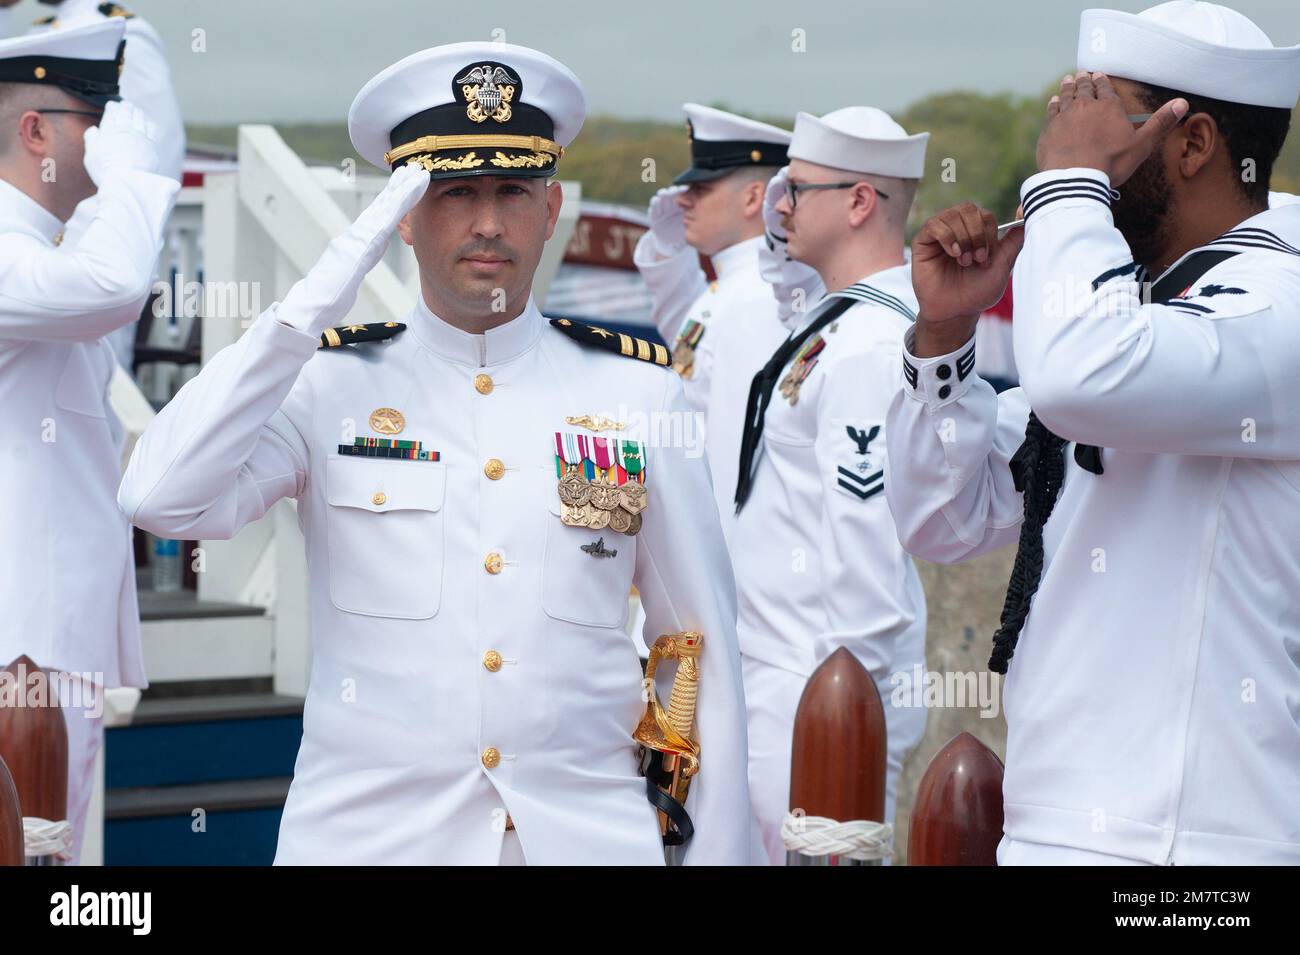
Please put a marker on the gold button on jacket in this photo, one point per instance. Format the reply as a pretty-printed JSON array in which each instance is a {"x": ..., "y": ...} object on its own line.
[
  {"x": 491, "y": 757},
  {"x": 492, "y": 660},
  {"x": 493, "y": 563},
  {"x": 483, "y": 384},
  {"x": 494, "y": 469}
]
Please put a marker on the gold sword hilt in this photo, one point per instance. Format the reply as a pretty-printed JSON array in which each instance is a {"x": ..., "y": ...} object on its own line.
[
  {"x": 670, "y": 733},
  {"x": 686, "y": 687}
]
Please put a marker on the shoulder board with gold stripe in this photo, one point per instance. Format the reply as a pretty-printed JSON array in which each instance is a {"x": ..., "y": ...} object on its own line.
[
  {"x": 620, "y": 344},
  {"x": 354, "y": 334},
  {"x": 114, "y": 10}
]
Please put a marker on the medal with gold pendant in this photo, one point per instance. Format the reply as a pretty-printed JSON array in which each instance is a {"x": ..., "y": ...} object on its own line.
[
  {"x": 604, "y": 489},
  {"x": 688, "y": 339},
  {"x": 573, "y": 488},
  {"x": 800, "y": 368},
  {"x": 620, "y": 520},
  {"x": 632, "y": 494}
]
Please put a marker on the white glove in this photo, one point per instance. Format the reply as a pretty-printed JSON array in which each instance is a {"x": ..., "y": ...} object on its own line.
[
  {"x": 667, "y": 223},
  {"x": 325, "y": 295},
  {"x": 797, "y": 287},
  {"x": 124, "y": 139}
]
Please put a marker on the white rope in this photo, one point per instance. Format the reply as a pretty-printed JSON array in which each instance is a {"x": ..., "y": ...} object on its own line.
[
  {"x": 862, "y": 839},
  {"x": 41, "y": 837}
]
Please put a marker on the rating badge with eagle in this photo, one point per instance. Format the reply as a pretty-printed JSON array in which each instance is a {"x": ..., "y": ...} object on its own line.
[{"x": 488, "y": 89}]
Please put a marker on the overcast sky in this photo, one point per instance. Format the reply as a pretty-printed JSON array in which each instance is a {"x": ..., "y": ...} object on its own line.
[{"x": 269, "y": 60}]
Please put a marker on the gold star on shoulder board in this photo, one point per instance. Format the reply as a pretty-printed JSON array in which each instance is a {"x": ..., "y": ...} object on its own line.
[{"x": 620, "y": 343}]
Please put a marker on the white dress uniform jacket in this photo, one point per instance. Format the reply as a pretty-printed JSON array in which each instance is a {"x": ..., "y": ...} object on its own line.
[
  {"x": 741, "y": 330},
  {"x": 407, "y": 602},
  {"x": 1152, "y": 701},
  {"x": 817, "y": 558},
  {"x": 67, "y": 577}
]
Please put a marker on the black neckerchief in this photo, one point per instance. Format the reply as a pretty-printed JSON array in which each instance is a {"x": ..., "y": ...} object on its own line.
[
  {"x": 1038, "y": 469},
  {"x": 760, "y": 393}
]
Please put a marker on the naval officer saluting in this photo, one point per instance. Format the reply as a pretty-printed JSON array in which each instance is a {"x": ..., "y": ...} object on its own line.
[
  {"x": 473, "y": 692},
  {"x": 720, "y": 332},
  {"x": 67, "y": 580},
  {"x": 1150, "y": 630}
]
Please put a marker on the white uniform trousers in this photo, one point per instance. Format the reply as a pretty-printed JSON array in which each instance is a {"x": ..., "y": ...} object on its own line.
[
  {"x": 771, "y": 699},
  {"x": 84, "y": 717}
]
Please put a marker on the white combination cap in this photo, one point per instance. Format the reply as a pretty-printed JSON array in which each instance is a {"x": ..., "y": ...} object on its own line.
[
  {"x": 722, "y": 142},
  {"x": 470, "y": 109},
  {"x": 84, "y": 61}
]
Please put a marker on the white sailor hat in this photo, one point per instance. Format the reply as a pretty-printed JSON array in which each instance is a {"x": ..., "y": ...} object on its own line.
[
  {"x": 1192, "y": 47},
  {"x": 470, "y": 109},
  {"x": 722, "y": 142},
  {"x": 84, "y": 61},
  {"x": 859, "y": 139}
]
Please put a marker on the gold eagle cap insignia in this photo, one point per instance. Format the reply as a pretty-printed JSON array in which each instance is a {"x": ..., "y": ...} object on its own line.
[{"x": 488, "y": 90}]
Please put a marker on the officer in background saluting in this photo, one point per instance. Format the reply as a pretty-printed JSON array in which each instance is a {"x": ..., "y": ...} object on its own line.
[
  {"x": 146, "y": 77},
  {"x": 147, "y": 82},
  {"x": 473, "y": 692},
  {"x": 67, "y": 579},
  {"x": 720, "y": 332},
  {"x": 1150, "y": 627}
]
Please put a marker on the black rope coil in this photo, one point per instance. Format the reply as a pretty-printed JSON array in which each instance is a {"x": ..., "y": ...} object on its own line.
[{"x": 1038, "y": 469}]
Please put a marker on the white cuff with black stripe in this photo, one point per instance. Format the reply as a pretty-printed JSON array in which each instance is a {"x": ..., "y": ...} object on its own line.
[
  {"x": 1065, "y": 187},
  {"x": 941, "y": 380}
]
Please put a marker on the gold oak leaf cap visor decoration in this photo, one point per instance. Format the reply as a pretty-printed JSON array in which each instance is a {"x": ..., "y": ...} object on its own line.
[
  {"x": 83, "y": 61},
  {"x": 470, "y": 109}
]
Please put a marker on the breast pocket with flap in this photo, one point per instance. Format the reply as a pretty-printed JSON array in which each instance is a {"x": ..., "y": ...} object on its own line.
[
  {"x": 582, "y": 586},
  {"x": 385, "y": 527}
]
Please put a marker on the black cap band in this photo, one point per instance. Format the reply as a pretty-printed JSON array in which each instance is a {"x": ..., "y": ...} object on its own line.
[
  {"x": 714, "y": 158},
  {"x": 730, "y": 153},
  {"x": 95, "y": 81}
]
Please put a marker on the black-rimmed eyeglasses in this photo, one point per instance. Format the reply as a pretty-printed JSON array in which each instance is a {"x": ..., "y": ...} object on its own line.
[
  {"x": 75, "y": 112},
  {"x": 792, "y": 189}
]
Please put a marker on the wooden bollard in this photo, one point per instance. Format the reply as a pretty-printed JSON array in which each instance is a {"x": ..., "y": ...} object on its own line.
[
  {"x": 34, "y": 740},
  {"x": 837, "y": 765},
  {"x": 11, "y": 820},
  {"x": 957, "y": 812}
]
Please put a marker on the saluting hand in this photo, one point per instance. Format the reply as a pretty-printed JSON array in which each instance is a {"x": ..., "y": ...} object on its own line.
[
  {"x": 667, "y": 221},
  {"x": 1087, "y": 127},
  {"x": 326, "y": 294},
  {"x": 959, "y": 269},
  {"x": 123, "y": 139}
]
